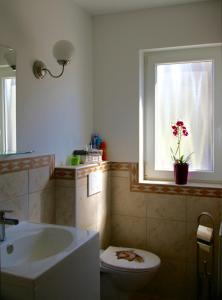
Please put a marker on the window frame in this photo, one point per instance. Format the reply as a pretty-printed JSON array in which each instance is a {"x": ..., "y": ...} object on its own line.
[{"x": 169, "y": 178}]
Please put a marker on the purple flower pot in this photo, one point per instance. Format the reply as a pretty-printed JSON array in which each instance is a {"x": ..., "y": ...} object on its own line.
[{"x": 180, "y": 173}]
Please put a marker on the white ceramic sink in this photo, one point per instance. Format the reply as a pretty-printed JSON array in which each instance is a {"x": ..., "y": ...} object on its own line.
[
  {"x": 35, "y": 254},
  {"x": 38, "y": 244}
]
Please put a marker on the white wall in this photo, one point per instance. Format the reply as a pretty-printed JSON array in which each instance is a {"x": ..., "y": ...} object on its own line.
[
  {"x": 53, "y": 115},
  {"x": 117, "y": 39}
]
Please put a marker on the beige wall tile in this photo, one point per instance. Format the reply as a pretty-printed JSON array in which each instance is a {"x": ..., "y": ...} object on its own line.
[
  {"x": 104, "y": 228},
  {"x": 39, "y": 179},
  {"x": 172, "y": 207},
  {"x": 81, "y": 182},
  {"x": 106, "y": 185},
  {"x": 65, "y": 206},
  {"x": 86, "y": 208},
  {"x": 103, "y": 212},
  {"x": 35, "y": 208},
  {"x": 13, "y": 185},
  {"x": 128, "y": 231},
  {"x": 65, "y": 183},
  {"x": 42, "y": 206},
  {"x": 124, "y": 174},
  {"x": 124, "y": 202},
  {"x": 48, "y": 198},
  {"x": 167, "y": 239},
  {"x": 19, "y": 206},
  {"x": 191, "y": 242},
  {"x": 196, "y": 205}
]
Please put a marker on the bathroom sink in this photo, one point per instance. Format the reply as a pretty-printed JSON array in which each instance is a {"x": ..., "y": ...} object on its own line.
[
  {"x": 37, "y": 245},
  {"x": 35, "y": 259}
]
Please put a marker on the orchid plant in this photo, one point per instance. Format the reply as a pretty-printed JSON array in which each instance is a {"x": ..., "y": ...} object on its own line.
[{"x": 179, "y": 131}]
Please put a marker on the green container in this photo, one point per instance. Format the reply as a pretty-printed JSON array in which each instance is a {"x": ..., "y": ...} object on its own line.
[{"x": 75, "y": 160}]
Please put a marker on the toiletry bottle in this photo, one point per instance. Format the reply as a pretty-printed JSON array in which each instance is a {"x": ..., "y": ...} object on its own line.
[{"x": 104, "y": 148}]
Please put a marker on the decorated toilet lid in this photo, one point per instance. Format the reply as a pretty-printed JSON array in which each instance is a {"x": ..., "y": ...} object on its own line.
[{"x": 129, "y": 259}]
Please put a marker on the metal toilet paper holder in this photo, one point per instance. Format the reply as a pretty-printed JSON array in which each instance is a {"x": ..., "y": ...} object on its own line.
[{"x": 205, "y": 277}]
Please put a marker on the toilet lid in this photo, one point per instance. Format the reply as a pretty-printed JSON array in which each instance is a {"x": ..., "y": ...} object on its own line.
[{"x": 109, "y": 260}]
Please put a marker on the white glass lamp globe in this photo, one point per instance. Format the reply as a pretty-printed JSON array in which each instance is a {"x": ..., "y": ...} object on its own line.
[{"x": 63, "y": 51}]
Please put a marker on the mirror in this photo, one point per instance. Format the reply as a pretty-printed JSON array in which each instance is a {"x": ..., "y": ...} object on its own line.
[{"x": 7, "y": 101}]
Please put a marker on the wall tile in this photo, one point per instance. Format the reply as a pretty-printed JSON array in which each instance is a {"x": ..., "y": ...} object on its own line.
[
  {"x": 48, "y": 198},
  {"x": 128, "y": 231},
  {"x": 124, "y": 174},
  {"x": 65, "y": 183},
  {"x": 191, "y": 242},
  {"x": 167, "y": 238},
  {"x": 86, "y": 208},
  {"x": 42, "y": 206},
  {"x": 103, "y": 212},
  {"x": 19, "y": 206},
  {"x": 166, "y": 206},
  {"x": 196, "y": 205},
  {"x": 39, "y": 179},
  {"x": 124, "y": 202},
  {"x": 65, "y": 206},
  {"x": 81, "y": 182},
  {"x": 13, "y": 185}
]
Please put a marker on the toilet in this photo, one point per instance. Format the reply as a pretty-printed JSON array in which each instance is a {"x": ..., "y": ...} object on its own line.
[{"x": 129, "y": 275}]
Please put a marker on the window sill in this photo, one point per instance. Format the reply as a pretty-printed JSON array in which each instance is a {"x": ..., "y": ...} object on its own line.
[
  {"x": 200, "y": 189},
  {"x": 203, "y": 185}
]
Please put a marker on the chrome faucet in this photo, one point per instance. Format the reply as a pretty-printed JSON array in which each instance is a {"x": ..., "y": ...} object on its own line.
[{"x": 5, "y": 221}]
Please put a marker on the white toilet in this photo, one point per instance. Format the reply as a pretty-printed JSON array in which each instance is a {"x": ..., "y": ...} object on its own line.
[{"x": 129, "y": 275}]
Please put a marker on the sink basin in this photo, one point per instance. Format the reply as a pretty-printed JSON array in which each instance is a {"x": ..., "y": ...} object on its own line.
[
  {"x": 37, "y": 245},
  {"x": 35, "y": 254}
]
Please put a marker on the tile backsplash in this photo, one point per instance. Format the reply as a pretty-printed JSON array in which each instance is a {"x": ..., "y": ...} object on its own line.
[
  {"x": 27, "y": 188},
  {"x": 122, "y": 212},
  {"x": 75, "y": 207},
  {"x": 164, "y": 224}
]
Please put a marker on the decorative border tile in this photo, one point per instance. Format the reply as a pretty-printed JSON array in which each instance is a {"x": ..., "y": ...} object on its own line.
[
  {"x": 135, "y": 186},
  {"x": 20, "y": 164},
  {"x": 78, "y": 173},
  {"x": 64, "y": 173},
  {"x": 83, "y": 172}
]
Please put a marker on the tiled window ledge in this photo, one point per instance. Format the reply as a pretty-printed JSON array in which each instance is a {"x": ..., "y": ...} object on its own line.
[
  {"x": 166, "y": 187},
  {"x": 188, "y": 185}
]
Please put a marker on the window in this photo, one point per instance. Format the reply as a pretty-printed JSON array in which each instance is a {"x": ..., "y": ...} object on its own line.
[
  {"x": 8, "y": 112},
  {"x": 181, "y": 84}
]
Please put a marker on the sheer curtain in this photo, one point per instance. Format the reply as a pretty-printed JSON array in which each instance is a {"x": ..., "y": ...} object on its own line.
[
  {"x": 9, "y": 85},
  {"x": 184, "y": 91}
]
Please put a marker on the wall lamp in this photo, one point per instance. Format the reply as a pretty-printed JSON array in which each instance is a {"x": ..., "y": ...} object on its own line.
[{"x": 62, "y": 51}]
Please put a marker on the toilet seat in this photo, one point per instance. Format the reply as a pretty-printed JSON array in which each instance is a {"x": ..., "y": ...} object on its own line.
[{"x": 110, "y": 261}]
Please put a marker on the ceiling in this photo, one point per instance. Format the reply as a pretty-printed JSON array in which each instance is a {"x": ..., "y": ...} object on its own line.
[{"x": 98, "y": 7}]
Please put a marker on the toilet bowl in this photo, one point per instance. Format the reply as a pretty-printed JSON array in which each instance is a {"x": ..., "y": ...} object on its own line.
[{"x": 129, "y": 275}]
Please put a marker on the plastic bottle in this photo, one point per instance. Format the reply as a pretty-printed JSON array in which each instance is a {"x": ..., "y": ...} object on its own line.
[{"x": 104, "y": 148}]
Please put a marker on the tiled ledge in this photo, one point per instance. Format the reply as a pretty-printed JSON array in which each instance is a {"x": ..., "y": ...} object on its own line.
[
  {"x": 80, "y": 171},
  {"x": 22, "y": 163}
]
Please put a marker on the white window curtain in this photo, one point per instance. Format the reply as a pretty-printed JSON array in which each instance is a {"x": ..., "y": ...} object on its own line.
[
  {"x": 9, "y": 91},
  {"x": 184, "y": 91}
]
